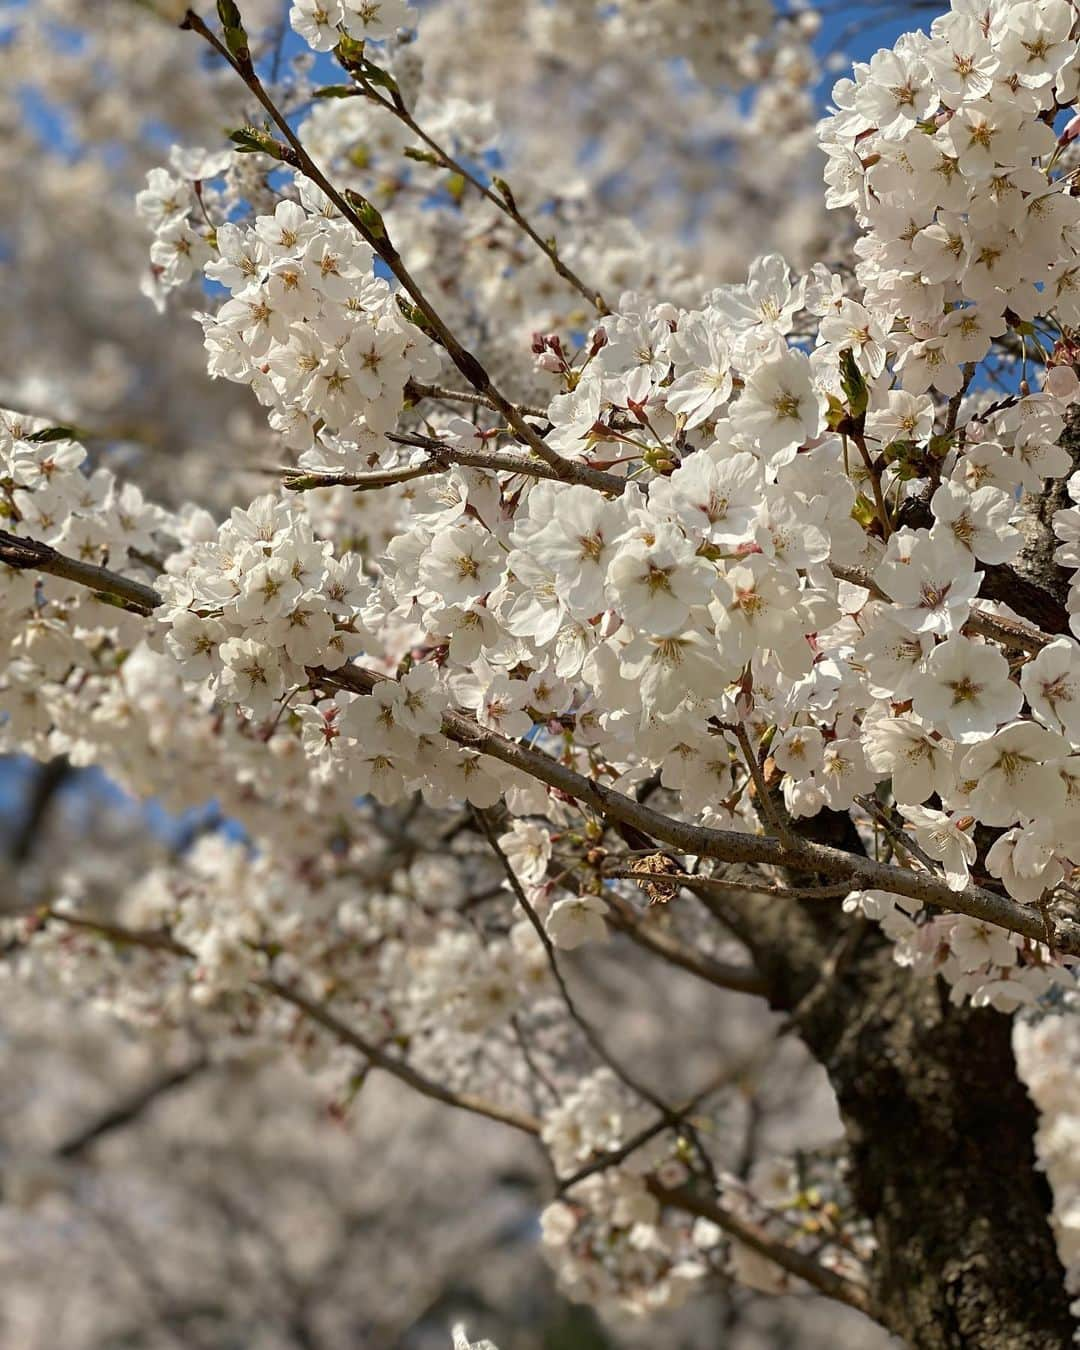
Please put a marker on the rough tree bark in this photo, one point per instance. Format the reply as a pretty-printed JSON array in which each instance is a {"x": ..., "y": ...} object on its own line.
[{"x": 940, "y": 1130}]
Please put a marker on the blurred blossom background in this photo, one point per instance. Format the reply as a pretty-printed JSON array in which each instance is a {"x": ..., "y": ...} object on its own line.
[{"x": 157, "y": 1192}]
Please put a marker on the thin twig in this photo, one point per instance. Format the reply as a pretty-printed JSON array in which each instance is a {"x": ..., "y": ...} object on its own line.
[
  {"x": 427, "y": 1087},
  {"x": 571, "y": 471},
  {"x": 157, "y": 940},
  {"x": 768, "y": 804},
  {"x": 875, "y": 483},
  {"x": 130, "y": 1109},
  {"x": 726, "y": 1078},
  {"x": 819, "y": 1277},
  {"x": 309, "y": 480},
  {"x": 894, "y": 831},
  {"x": 416, "y": 391},
  {"x": 740, "y": 979},
  {"x": 579, "y": 1020},
  {"x": 503, "y": 200},
  {"x": 953, "y": 410}
]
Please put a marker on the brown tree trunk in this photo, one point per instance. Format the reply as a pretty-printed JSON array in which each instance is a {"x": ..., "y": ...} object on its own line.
[
  {"x": 941, "y": 1132},
  {"x": 939, "y": 1126}
]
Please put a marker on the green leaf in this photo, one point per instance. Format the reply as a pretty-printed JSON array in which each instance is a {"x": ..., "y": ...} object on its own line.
[
  {"x": 853, "y": 384},
  {"x": 940, "y": 445},
  {"x": 337, "y": 91},
  {"x": 252, "y": 141},
  {"x": 414, "y": 314},
  {"x": 48, "y": 434},
  {"x": 349, "y": 52},
  {"x": 369, "y": 215},
  {"x": 376, "y": 75},
  {"x": 502, "y": 187},
  {"x": 235, "y": 37},
  {"x": 422, "y": 156},
  {"x": 836, "y": 413},
  {"x": 864, "y": 511}
]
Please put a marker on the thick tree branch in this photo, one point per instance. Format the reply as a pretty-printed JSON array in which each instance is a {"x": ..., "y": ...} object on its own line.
[
  {"x": 730, "y": 845},
  {"x": 23, "y": 554},
  {"x": 724, "y": 845}
]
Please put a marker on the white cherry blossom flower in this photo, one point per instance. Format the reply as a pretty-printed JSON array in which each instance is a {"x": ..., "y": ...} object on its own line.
[
  {"x": 1015, "y": 773},
  {"x": 946, "y": 838},
  {"x": 904, "y": 748},
  {"x": 574, "y": 921},
  {"x": 715, "y": 498},
  {"x": 1026, "y": 862},
  {"x": 964, "y": 689},
  {"x": 316, "y": 22},
  {"x": 655, "y": 581},
  {"x": 932, "y": 582},
  {"x": 977, "y": 521},
  {"x": 462, "y": 563},
  {"x": 779, "y": 409},
  {"x": 251, "y": 675},
  {"x": 1051, "y": 685}
]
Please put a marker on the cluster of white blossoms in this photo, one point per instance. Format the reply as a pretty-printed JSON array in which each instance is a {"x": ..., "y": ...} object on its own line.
[
  {"x": 722, "y": 43},
  {"x": 309, "y": 326},
  {"x": 262, "y": 599},
  {"x": 750, "y": 559},
  {"x": 946, "y": 148},
  {"x": 747, "y": 573},
  {"x": 320, "y": 22},
  {"x": 353, "y": 922},
  {"x": 612, "y": 1242},
  {"x": 49, "y": 627},
  {"x": 609, "y": 1239}
]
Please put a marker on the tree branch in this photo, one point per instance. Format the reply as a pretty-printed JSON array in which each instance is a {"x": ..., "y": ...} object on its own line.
[
  {"x": 23, "y": 554},
  {"x": 128, "y": 1110},
  {"x": 825, "y": 1281},
  {"x": 581, "y": 1022},
  {"x": 740, "y": 979},
  {"x": 504, "y": 199},
  {"x": 725, "y": 845},
  {"x": 427, "y": 1087},
  {"x": 1021, "y": 636},
  {"x": 415, "y": 390},
  {"x": 730, "y": 845},
  {"x": 319, "y": 1013}
]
